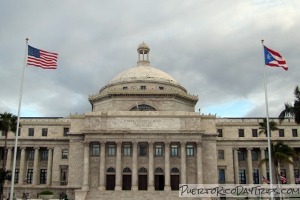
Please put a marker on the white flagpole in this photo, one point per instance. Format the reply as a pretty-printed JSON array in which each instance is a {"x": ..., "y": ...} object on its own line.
[
  {"x": 18, "y": 124},
  {"x": 268, "y": 128}
]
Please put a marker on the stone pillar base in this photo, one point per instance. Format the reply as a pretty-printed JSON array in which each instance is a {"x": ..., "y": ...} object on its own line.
[
  {"x": 101, "y": 188},
  {"x": 80, "y": 194},
  {"x": 118, "y": 188},
  {"x": 134, "y": 188},
  {"x": 167, "y": 188},
  {"x": 151, "y": 188}
]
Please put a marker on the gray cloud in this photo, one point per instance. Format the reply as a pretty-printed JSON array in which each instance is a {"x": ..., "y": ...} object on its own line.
[{"x": 212, "y": 48}]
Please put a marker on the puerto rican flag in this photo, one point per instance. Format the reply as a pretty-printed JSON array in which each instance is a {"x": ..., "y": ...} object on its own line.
[{"x": 274, "y": 59}]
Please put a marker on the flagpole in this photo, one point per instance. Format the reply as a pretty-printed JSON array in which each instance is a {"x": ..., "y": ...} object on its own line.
[
  {"x": 18, "y": 126},
  {"x": 268, "y": 128}
]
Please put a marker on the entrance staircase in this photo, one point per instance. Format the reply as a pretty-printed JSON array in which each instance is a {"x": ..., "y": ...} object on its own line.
[{"x": 95, "y": 194}]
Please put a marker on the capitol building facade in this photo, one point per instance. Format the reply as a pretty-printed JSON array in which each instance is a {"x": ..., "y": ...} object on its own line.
[{"x": 141, "y": 139}]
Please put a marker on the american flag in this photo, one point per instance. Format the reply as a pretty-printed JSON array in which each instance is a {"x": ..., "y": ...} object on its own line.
[
  {"x": 282, "y": 179},
  {"x": 41, "y": 58},
  {"x": 265, "y": 180},
  {"x": 274, "y": 59}
]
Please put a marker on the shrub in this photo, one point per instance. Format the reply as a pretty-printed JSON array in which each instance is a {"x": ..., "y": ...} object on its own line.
[{"x": 46, "y": 192}]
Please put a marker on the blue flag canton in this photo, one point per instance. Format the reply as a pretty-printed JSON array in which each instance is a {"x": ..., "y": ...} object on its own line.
[
  {"x": 268, "y": 56},
  {"x": 33, "y": 52}
]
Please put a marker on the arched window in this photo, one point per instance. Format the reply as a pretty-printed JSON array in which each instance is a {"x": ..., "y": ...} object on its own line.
[
  {"x": 111, "y": 170},
  {"x": 126, "y": 170},
  {"x": 159, "y": 171},
  {"x": 175, "y": 170},
  {"x": 143, "y": 107},
  {"x": 143, "y": 170}
]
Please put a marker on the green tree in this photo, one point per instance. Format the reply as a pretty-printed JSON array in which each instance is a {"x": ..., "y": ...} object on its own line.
[
  {"x": 280, "y": 153},
  {"x": 292, "y": 110},
  {"x": 4, "y": 175},
  {"x": 8, "y": 122},
  {"x": 263, "y": 126}
]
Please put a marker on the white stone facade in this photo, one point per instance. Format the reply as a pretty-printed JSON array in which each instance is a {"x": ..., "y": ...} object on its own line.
[{"x": 141, "y": 140}]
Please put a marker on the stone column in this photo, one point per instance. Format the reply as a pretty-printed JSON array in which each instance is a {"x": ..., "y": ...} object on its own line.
[
  {"x": 118, "y": 167},
  {"x": 151, "y": 168},
  {"x": 199, "y": 163},
  {"x": 22, "y": 165},
  {"x": 263, "y": 166},
  {"x": 86, "y": 165},
  {"x": 291, "y": 179},
  {"x": 183, "y": 162},
  {"x": 49, "y": 166},
  {"x": 134, "y": 167},
  {"x": 167, "y": 167},
  {"x": 236, "y": 166},
  {"x": 35, "y": 166},
  {"x": 8, "y": 158},
  {"x": 249, "y": 166},
  {"x": 102, "y": 167}
]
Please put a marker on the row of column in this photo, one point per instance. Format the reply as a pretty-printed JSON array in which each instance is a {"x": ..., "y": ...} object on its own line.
[
  {"x": 118, "y": 186},
  {"x": 22, "y": 169},
  {"x": 250, "y": 166}
]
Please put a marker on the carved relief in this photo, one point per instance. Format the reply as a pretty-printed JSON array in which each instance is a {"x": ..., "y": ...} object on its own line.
[{"x": 138, "y": 123}]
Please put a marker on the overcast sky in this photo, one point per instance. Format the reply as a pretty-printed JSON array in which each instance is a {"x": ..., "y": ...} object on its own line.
[{"x": 213, "y": 48}]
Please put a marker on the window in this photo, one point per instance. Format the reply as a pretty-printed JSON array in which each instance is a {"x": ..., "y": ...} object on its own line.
[
  {"x": 255, "y": 176},
  {"x": 190, "y": 150},
  {"x": 220, "y": 133},
  {"x": 44, "y": 132},
  {"x": 242, "y": 176},
  {"x": 142, "y": 150},
  {"x": 126, "y": 150},
  {"x": 111, "y": 150},
  {"x": 174, "y": 150},
  {"x": 44, "y": 154},
  {"x": 63, "y": 175},
  {"x": 241, "y": 133},
  {"x": 254, "y": 133},
  {"x": 158, "y": 150},
  {"x": 297, "y": 176},
  {"x": 29, "y": 176},
  {"x": 95, "y": 149},
  {"x": 241, "y": 155},
  {"x": 254, "y": 155},
  {"x": 15, "y": 133},
  {"x": 17, "y": 175},
  {"x": 221, "y": 175},
  {"x": 281, "y": 132},
  {"x": 143, "y": 87},
  {"x": 294, "y": 132},
  {"x": 30, "y": 154},
  {"x": 1, "y": 153},
  {"x": 43, "y": 176},
  {"x": 221, "y": 154},
  {"x": 66, "y": 132},
  {"x": 64, "y": 154},
  {"x": 30, "y": 131}
]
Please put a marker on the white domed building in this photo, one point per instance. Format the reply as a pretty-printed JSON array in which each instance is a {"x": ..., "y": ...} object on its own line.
[{"x": 141, "y": 139}]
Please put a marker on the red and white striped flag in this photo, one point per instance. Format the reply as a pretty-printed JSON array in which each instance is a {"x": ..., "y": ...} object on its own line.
[{"x": 41, "y": 58}]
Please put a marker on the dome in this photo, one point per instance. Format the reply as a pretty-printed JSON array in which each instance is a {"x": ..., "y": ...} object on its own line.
[{"x": 143, "y": 73}]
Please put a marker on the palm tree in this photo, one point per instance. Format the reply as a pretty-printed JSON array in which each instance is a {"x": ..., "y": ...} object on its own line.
[
  {"x": 263, "y": 126},
  {"x": 280, "y": 153},
  {"x": 4, "y": 175},
  {"x": 294, "y": 111},
  {"x": 8, "y": 122}
]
